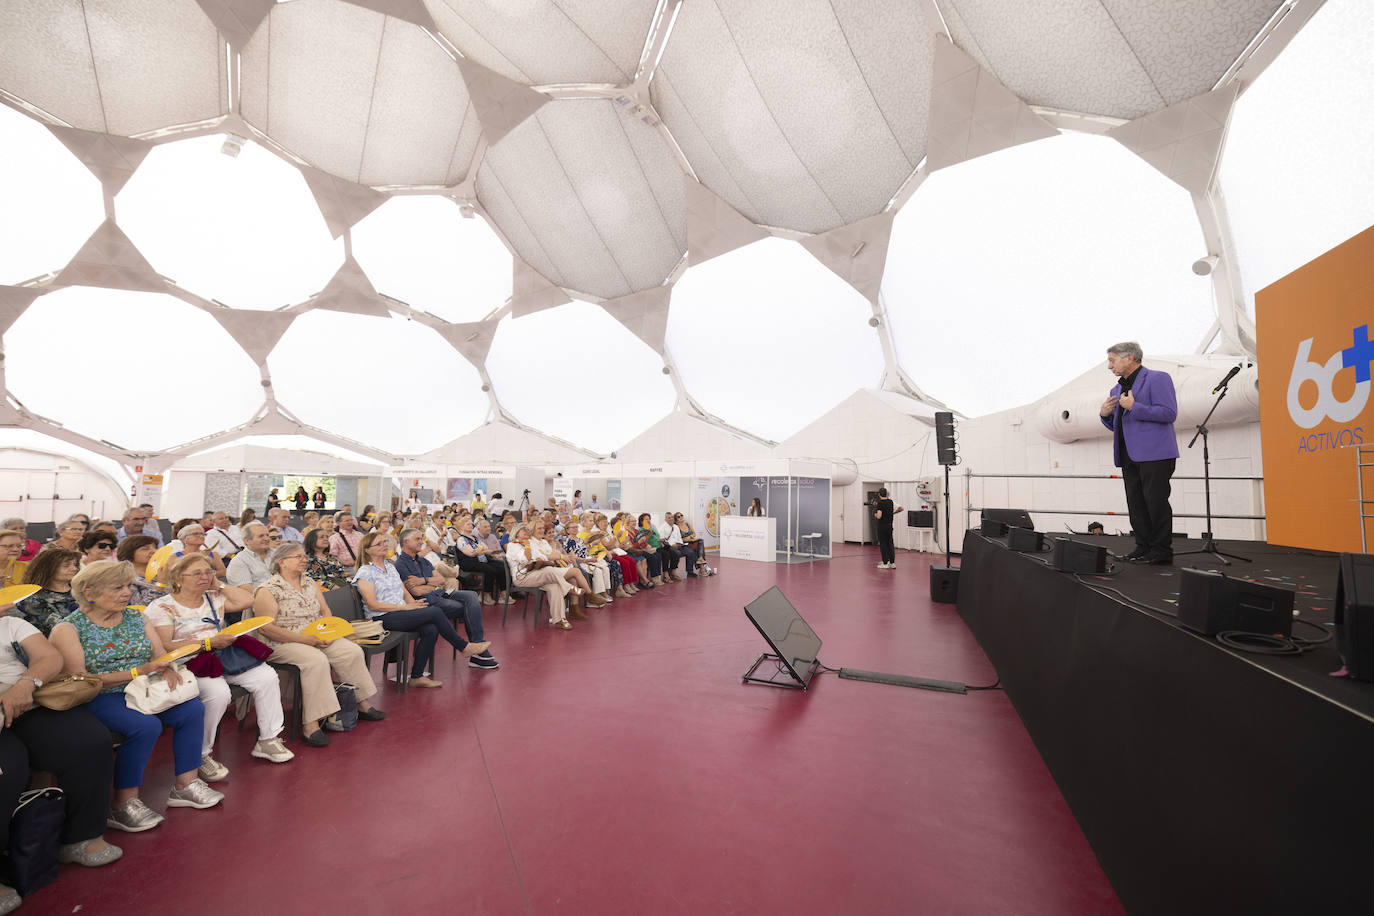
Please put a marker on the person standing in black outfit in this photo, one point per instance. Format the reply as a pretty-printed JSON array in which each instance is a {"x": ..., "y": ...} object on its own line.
[
  {"x": 883, "y": 512},
  {"x": 301, "y": 499},
  {"x": 319, "y": 498}
]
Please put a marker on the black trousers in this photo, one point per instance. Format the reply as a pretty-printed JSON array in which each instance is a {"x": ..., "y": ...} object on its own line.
[
  {"x": 883, "y": 535},
  {"x": 1147, "y": 498},
  {"x": 492, "y": 580},
  {"x": 74, "y": 746}
]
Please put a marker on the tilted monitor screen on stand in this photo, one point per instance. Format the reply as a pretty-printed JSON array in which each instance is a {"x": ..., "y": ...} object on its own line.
[{"x": 795, "y": 644}]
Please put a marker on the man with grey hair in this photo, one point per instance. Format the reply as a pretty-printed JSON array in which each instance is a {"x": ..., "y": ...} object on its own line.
[
  {"x": 1140, "y": 412},
  {"x": 280, "y": 518},
  {"x": 136, "y": 523},
  {"x": 224, "y": 538},
  {"x": 248, "y": 569},
  {"x": 425, "y": 584}
]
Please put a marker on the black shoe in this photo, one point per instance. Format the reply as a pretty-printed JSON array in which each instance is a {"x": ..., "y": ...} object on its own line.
[
  {"x": 1160, "y": 559},
  {"x": 483, "y": 661},
  {"x": 371, "y": 715},
  {"x": 1135, "y": 555},
  {"x": 317, "y": 738}
]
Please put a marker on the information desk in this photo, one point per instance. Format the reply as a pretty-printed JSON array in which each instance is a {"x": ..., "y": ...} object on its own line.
[{"x": 743, "y": 537}]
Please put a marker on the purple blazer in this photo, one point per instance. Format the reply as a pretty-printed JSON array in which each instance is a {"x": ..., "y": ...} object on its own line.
[{"x": 1148, "y": 427}]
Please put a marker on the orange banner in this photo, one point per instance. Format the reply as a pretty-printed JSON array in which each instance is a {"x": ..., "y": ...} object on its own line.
[{"x": 1315, "y": 359}]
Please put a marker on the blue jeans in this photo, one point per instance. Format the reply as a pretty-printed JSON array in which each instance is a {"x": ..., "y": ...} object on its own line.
[
  {"x": 141, "y": 733},
  {"x": 430, "y": 623},
  {"x": 463, "y": 606}
]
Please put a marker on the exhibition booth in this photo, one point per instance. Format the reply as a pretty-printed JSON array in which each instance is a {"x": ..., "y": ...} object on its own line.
[{"x": 793, "y": 494}]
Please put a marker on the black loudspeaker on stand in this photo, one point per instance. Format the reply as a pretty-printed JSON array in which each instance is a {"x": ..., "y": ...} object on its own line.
[
  {"x": 1209, "y": 543},
  {"x": 1355, "y": 614},
  {"x": 944, "y": 580}
]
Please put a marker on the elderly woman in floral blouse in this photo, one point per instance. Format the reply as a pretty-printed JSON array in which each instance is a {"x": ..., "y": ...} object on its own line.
[
  {"x": 292, "y": 600},
  {"x": 52, "y": 571}
]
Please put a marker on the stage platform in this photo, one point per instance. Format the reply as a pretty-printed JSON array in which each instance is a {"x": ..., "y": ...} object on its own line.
[{"x": 1207, "y": 780}]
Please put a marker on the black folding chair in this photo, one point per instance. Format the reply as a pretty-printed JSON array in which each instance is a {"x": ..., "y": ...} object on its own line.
[{"x": 394, "y": 648}]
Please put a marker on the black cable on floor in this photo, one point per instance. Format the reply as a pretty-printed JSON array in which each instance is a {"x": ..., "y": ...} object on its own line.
[
  {"x": 1125, "y": 597},
  {"x": 1267, "y": 644},
  {"x": 995, "y": 685}
]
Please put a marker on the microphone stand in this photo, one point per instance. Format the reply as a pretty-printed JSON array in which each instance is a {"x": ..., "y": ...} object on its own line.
[{"x": 1209, "y": 543}]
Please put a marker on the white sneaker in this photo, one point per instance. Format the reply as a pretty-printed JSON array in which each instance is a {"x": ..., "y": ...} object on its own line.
[
  {"x": 211, "y": 770},
  {"x": 195, "y": 795},
  {"x": 133, "y": 817},
  {"x": 273, "y": 749},
  {"x": 882, "y": 566}
]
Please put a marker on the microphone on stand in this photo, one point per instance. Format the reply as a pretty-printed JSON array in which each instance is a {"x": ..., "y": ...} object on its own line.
[{"x": 1230, "y": 375}]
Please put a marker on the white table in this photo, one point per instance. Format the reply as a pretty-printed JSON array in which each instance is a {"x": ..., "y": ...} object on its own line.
[{"x": 748, "y": 538}]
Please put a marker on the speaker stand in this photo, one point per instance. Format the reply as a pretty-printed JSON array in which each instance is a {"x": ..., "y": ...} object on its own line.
[{"x": 783, "y": 675}]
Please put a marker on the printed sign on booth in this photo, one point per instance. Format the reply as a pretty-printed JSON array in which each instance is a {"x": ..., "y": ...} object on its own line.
[{"x": 1315, "y": 357}]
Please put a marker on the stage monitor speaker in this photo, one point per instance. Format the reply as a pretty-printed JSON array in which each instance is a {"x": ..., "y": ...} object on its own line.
[
  {"x": 796, "y": 647},
  {"x": 1012, "y": 518},
  {"x": 920, "y": 518},
  {"x": 993, "y": 529},
  {"x": 944, "y": 584},
  {"x": 1355, "y": 614},
  {"x": 1077, "y": 557},
  {"x": 945, "y": 450},
  {"x": 1210, "y": 603},
  {"x": 1025, "y": 540}
]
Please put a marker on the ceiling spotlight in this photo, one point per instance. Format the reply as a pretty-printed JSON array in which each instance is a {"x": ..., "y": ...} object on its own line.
[
  {"x": 466, "y": 208},
  {"x": 667, "y": 371},
  {"x": 1204, "y": 266},
  {"x": 874, "y": 322},
  {"x": 233, "y": 145},
  {"x": 486, "y": 387},
  {"x": 266, "y": 383}
]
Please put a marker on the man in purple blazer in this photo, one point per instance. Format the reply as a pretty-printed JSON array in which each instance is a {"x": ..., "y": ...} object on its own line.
[{"x": 1140, "y": 413}]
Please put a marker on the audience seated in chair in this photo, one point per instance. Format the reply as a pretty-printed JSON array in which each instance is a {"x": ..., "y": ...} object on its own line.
[
  {"x": 293, "y": 601},
  {"x": 108, "y": 638},
  {"x": 386, "y": 598}
]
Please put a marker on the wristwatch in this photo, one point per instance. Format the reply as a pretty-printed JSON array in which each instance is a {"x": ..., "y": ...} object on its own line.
[{"x": 36, "y": 682}]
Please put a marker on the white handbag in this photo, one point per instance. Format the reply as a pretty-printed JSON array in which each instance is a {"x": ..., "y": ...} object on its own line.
[{"x": 150, "y": 695}]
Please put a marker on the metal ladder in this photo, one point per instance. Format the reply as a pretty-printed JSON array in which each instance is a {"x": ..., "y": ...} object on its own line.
[{"x": 1364, "y": 458}]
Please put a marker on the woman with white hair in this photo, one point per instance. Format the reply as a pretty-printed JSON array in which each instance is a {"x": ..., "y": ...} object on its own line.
[
  {"x": 109, "y": 639},
  {"x": 191, "y": 540},
  {"x": 31, "y": 547},
  {"x": 193, "y": 614},
  {"x": 529, "y": 572},
  {"x": 293, "y": 601}
]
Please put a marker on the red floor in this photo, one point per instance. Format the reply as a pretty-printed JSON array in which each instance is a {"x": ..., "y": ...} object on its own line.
[{"x": 624, "y": 768}]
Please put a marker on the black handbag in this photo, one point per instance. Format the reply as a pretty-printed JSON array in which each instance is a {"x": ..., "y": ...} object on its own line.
[{"x": 35, "y": 836}]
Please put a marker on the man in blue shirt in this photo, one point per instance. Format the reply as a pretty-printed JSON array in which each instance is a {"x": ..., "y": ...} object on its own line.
[
  {"x": 420, "y": 578},
  {"x": 135, "y": 522}
]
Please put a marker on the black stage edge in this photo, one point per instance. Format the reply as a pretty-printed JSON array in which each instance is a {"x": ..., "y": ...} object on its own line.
[{"x": 1207, "y": 780}]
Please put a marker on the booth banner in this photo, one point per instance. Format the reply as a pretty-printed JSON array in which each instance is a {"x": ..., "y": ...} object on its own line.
[
  {"x": 750, "y": 489},
  {"x": 660, "y": 469},
  {"x": 713, "y": 498},
  {"x": 484, "y": 470},
  {"x": 458, "y": 490},
  {"x": 812, "y": 502},
  {"x": 592, "y": 470},
  {"x": 562, "y": 491},
  {"x": 408, "y": 472},
  {"x": 149, "y": 491},
  {"x": 779, "y": 505},
  {"x": 1315, "y": 355},
  {"x": 612, "y": 502}
]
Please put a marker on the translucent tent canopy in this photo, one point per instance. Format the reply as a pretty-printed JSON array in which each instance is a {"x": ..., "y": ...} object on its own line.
[{"x": 380, "y": 224}]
